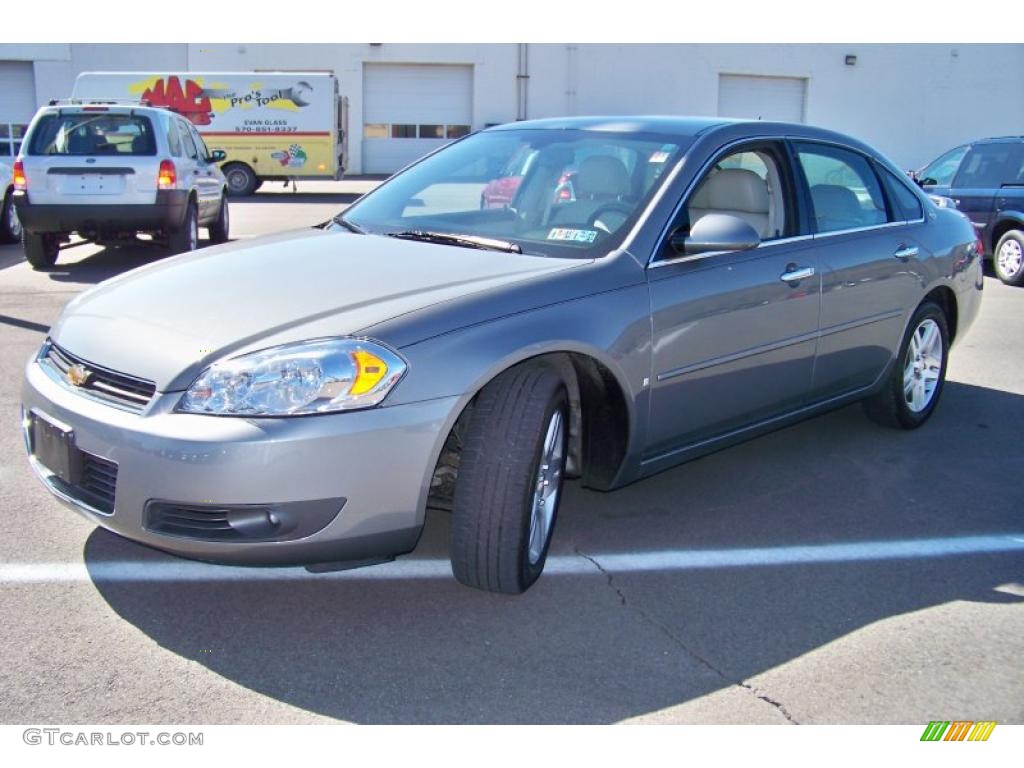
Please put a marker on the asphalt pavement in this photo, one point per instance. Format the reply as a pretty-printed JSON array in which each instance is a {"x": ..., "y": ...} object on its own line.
[{"x": 831, "y": 572}]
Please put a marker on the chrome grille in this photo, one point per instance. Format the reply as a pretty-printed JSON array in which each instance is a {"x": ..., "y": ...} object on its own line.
[{"x": 102, "y": 384}]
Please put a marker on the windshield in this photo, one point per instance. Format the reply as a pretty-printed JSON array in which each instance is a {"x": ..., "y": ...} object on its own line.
[
  {"x": 544, "y": 191},
  {"x": 83, "y": 133}
]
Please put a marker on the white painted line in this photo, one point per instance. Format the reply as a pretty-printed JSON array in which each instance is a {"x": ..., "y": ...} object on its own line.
[{"x": 566, "y": 565}]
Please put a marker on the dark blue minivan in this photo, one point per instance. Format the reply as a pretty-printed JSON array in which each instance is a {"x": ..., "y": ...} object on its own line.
[{"x": 986, "y": 181}]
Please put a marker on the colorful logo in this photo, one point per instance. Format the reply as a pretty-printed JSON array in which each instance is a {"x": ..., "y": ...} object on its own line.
[
  {"x": 199, "y": 103},
  {"x": 958, "y": 730},
  {"x": 293, "y": 157}
]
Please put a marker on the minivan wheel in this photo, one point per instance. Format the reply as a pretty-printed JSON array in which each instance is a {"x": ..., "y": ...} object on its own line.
[
  {"x": 186, "y": 238},
  {"x": 10, "y": 225},
  {"x": 509, "y": 481},
  {"x": 219, "y": 229},
  {"x": 1008, "y": 259},
  {"x": 41, "y": 249},
  {"x": 914, "y": 385}
]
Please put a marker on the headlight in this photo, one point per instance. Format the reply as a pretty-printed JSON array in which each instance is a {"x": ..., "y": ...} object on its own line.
[{"x": 321, "y": 376}]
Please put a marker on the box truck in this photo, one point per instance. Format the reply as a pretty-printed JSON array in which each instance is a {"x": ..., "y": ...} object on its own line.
[{"x": 271, "y": 125}]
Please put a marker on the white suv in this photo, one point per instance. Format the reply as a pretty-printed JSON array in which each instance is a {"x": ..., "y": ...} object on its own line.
[
  {"x": 109, "y": 171},
  {"x": 10, "y": 227}
]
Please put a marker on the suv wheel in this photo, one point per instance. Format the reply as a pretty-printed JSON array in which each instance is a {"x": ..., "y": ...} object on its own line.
[
  {"x": 912, "y": 390},
  {"x": 187, "y": 237},
  {"x": 219, "y": 228},
  {"x": 241, "y": 179},
  {"x": 510, "y": 479},
  {"x": 10, "y": 225},
  {"x": 1008, "y": 259},
  {"x": 41, "y": 249}
]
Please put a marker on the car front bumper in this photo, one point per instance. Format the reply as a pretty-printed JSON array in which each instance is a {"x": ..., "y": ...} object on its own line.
[{"x": 374, "y": 466}]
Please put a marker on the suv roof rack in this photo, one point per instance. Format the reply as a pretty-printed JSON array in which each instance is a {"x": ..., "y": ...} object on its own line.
[{"x": 112, "y": 102}]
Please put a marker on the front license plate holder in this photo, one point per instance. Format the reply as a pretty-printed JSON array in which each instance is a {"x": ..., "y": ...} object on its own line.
[{"x": 53, "y": 446}]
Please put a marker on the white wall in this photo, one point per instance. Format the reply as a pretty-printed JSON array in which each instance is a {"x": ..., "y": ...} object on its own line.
[{"x": 911, "y": 101}]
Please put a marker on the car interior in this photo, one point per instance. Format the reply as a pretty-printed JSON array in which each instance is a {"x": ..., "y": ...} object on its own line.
[{"x": 746, "y": 185}]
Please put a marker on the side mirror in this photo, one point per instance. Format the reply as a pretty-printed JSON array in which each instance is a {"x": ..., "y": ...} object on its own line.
[
  {"x": 715, "y": 232},
  {"x": 217, "y": 155}
]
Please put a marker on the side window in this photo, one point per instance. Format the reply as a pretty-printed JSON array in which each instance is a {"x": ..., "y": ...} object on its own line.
[
  {"x": 989, "y": 166},
  {"x": 186, "y": 140},
  {"x": 173, "y": 139},
  {"x": 748, "y": 185},
  {"x": 908, "y": 203},
  {"x": 200, "y": 144},
  {"x": 940, "y": 172},
  {"x": 845, "y": 192}
]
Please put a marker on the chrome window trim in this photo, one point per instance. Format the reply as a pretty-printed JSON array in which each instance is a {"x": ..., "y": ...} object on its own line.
[{"x": 654, "y": 262}]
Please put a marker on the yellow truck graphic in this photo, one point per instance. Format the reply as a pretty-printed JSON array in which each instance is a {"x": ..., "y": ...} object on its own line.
[{"x": 271, "y": 125}]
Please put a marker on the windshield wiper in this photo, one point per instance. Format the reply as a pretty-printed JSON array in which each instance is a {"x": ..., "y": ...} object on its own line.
[
  {"x": 466, "y": 241},
  {"x": 340, "y": 219}
]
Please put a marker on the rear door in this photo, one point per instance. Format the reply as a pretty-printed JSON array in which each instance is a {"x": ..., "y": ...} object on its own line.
[
  {"x": 191, "y": 167},
  {"x": 209, "y": 187},
  {"x": 91, "y": 155},
  {"x": 868, "y": 253}
]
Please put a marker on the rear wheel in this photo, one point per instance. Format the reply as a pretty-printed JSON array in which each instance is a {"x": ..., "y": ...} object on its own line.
[
  {"x": 219, "y": 228},
  {"x": 10, "y": 225},
  {"x": 509, "y": 480},
  {"x": 1008, "y": 259},
  {"x": 186, "y": 238},
  {"x": 241, "y": 180},
  {"x": 41, "y": 249},
  {"x": 912, "y": 390}
]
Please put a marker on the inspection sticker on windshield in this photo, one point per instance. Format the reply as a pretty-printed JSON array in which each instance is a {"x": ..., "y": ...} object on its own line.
[{"x": 573, "y": 235}]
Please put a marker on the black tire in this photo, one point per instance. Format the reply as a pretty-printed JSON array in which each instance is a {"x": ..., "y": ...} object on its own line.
[
  {"x": 219, "y": 228},
  {"x": 1010, "y": 270},
  {"x": 241, "y": 179},
  {"x": 10, "y": 227},
  {"x": 40, "y": 249},
  {"x": 498, "y": 473},
  {"x": 186, "y": 237},
  {"x": 890, "y": 406}
]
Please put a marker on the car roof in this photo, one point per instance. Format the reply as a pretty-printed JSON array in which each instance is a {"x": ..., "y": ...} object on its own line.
[
  {"x": 998, "y": 140},
  {"x": 95, "y": 107},
  {"x": 665, "y": 124}
]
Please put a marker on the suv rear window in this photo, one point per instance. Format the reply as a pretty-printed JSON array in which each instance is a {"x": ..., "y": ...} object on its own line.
[{"x": 84, "y": 133}]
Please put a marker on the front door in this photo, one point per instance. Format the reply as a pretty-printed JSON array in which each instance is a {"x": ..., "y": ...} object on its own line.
[{"x": 734, "y": 332}]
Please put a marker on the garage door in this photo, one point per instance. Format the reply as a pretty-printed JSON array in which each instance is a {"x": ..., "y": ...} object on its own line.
[
  {"x": 762, "y": 98},
  {"x": 411, "y": 109},
  {"x": 17, "y": 103}
]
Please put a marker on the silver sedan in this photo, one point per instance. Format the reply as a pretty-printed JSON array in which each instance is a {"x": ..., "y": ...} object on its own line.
[{"x": 645, "y": 291}]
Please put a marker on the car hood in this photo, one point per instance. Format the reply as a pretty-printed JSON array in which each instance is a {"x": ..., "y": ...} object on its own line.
[{"x": 166, "y": 321}]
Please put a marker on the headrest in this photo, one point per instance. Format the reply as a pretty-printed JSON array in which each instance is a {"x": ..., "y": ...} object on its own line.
[
  {"x": 733, "y": 189},
  {"x": 832, "y": 201},
  {"x": 602, "y": 175}
]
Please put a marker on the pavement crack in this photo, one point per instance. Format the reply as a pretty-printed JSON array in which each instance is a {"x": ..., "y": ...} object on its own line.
[
  {"x": 611, "y": 583},
  {"x": 678, "y": 642}
]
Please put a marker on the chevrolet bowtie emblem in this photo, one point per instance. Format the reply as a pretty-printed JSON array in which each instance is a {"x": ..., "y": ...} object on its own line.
[{"x": 78, "y": 374}]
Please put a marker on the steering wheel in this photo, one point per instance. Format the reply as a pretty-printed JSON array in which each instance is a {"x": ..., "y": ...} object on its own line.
[{"x": 595, "y": 222}]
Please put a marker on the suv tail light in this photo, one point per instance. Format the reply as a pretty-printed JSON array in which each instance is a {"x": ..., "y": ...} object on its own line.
[
  {"x": 168, "y": 176},
  {"x": 18, "y": 176}
]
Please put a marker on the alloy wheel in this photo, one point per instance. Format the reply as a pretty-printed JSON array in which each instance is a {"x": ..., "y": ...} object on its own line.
[
  {"x": 547, "y": 486},
  {"x": 923, "y": 365},
  {"x": 1010, "y": 258}
]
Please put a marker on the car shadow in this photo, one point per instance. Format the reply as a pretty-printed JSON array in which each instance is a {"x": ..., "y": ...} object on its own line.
[
  {"x": 593, "y": 643},
  {"x": 108, "y": 261}
]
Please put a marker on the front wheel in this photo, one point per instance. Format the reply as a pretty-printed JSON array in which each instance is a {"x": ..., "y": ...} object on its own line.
[
  {"x": 1008, "y": 259},
  {"x": 509, "y": 480},
  {"x": 912, "y": 390},
  {"x": 10, "y": 225},
  {"x": 41, "y": 249},
  {"x": 241, "y": 179}
]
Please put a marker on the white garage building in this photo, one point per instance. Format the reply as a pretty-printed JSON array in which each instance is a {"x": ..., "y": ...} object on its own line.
[{"x": 911, "y": 101}]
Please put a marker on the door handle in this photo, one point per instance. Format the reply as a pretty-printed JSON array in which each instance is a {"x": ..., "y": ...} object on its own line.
[
  {"x": 795, "y": 274},
  {"x": 906, "y": 252}
]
